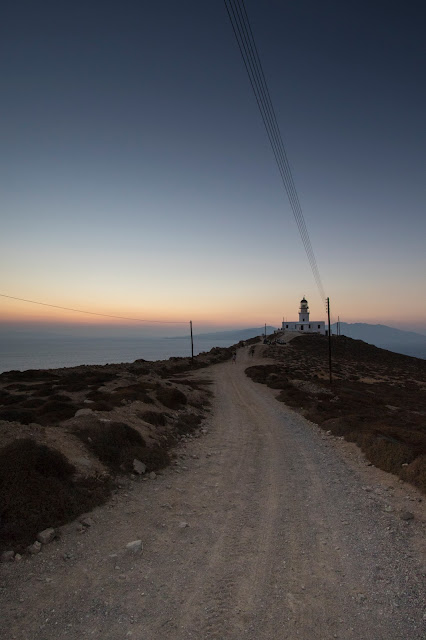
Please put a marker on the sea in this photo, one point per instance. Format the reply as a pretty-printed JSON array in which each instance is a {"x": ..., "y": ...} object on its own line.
[{"x": 22, "y": 353}]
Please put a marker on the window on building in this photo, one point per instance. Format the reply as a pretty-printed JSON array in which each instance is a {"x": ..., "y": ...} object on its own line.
[
  {"x": 301, "y": 327},
  {"x": 319, "y": 326},
  {"x": 309, "y": 326}
]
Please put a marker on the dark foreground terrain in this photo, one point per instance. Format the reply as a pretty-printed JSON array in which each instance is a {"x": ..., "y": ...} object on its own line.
[{"x": 67, "y": 435}]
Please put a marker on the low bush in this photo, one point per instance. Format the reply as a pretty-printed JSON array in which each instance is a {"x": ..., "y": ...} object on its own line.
[
  {"x": 132, "y": 393},
  {"x": 55, "y": 411},
  {"x": 116, "y": 444},
  {"x": 187, "y": 422},
  {"x": 37, "y": 491},
  {"x": 24, "y": 416},
  {"x": 153, "y": 417},
  {"x": 171, "y": 398}
]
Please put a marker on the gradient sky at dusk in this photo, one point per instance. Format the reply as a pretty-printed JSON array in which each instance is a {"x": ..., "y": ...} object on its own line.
[{"x": 137, "y": 178}]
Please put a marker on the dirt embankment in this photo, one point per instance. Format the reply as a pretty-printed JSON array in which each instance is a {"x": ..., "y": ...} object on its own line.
[
  {"x": 67, "y": 434},
  {"x": 377, "y": 398}
]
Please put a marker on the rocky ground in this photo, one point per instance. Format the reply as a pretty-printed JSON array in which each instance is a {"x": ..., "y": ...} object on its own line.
[
  {"x": 264, "y": 526},
  {"x": 67, "y": 434},
  {"x": 377, "y": 398}
]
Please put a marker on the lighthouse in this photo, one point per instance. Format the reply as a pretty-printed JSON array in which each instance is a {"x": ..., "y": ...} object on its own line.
[
  {"x": 305, "y": 325},
  {"x": 304, "y": 310}
]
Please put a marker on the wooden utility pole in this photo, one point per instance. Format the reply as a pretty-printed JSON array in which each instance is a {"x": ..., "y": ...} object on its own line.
[
  {"x": 329, "y": 340},
  {"x": 192, "y": 340}
]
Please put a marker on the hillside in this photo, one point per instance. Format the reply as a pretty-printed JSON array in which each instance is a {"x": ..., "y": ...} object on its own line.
[
  {"x": 377, "y": 399},
  {"x": 407, "y": 342}
]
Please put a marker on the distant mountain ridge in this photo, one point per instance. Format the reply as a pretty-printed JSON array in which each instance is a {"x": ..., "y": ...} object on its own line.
[
  {"x": 409, "y": 343},
  {"x": 234, "y": 334}
]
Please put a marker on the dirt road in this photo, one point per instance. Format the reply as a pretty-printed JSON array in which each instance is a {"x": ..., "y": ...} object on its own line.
[{"x": 265, "y": 528}]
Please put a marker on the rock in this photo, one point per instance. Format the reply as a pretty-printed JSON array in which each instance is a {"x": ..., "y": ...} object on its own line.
[
  {"x": 183, "y": 525},
  {"x": 34, "y": 548},
  {"x": 388, "y": 508},
  {"x": 139, "y": 467},
  {"x": 406, "y": 515},
  {"x": 135, "y": 546},
  {"x": 84, "y": 462},
  {"x": 46, "y": 536},
  {"x": 83, "y": 412},
  {"x": 7, "y": 556},
  {"x": 152, "y": 475},
  {"x": 87, "y": 521},
  {"x": 18, "y": 557}
]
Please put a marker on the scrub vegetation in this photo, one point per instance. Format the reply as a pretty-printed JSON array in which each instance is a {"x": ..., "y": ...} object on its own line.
[{"x": 377, "y": 398}]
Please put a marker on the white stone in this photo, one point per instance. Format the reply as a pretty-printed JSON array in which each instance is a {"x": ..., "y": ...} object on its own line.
[
  {"x": 34, "y": 548},
  {"x": 135, "y": 546}
]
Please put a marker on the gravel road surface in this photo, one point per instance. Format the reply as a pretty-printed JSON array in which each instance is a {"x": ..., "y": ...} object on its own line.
[{"x": 265, "y": 528}]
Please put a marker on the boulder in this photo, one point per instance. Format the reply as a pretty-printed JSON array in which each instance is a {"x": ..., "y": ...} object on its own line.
[
  {"x": 7, "y": 556},
  {"x": 34, "y": 548},
  {"x": 46, "y": 536},
  {"x": 139, "y": 467}
]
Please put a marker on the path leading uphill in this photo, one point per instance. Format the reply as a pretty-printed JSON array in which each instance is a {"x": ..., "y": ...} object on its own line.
[{"x": 266, "y": 528}]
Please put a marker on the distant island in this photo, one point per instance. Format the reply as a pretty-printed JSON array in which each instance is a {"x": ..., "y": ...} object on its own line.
[
  {"x": 409, "y": 343},
  {"x": 234, "y": 334}
]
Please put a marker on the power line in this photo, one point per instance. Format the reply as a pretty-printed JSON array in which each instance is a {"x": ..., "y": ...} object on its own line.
[
  {"x": 92, "y": 313},
  {"x": 245, "y": 39}
]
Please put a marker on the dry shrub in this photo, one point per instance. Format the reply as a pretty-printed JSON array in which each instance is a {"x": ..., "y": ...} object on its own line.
[
  {"x": 55, "y": 411},
  {"x": 194, "y": 384},
  {"x": 153, "y": 417},
  {"x": 30, "y": 374},
  {"x": 171, "y": 398},
  {"x": 42, "y": 391},
  {"x": 385, "y": 453},
  {"x": 188, "y": 422},
  {"x": 416, "y": 473},
  {"x": 111, "y": 442},
  {"x": 105, "y": 401},
  {"x": 37, "y": 491},
  {"x": 32, "y": 403},
  {"x": 116, "y": 444},
  {"x": 24, "y": 416},
  {"x": 81, "y": 380},
  {"x": 7, "y": 399}
]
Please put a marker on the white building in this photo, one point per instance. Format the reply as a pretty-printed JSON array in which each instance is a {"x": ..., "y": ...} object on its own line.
[{"x": 304, "y": 324}]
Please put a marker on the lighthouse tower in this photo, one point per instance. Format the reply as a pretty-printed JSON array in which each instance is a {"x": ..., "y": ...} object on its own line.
[{"x": 304, "y": 310}]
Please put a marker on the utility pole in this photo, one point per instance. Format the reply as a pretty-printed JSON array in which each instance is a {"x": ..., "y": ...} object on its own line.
[
  {"x": 192, "y": 341},
  {"x": 329, "y": 340}
]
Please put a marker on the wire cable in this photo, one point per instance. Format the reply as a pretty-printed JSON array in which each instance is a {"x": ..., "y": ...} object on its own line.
[
  {"x": 245, "y": 39},
  {"x": 93, "y": 313}
]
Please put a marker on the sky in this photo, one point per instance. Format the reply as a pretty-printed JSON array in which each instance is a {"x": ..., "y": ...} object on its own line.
[{"x": 137, "y": 180}]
